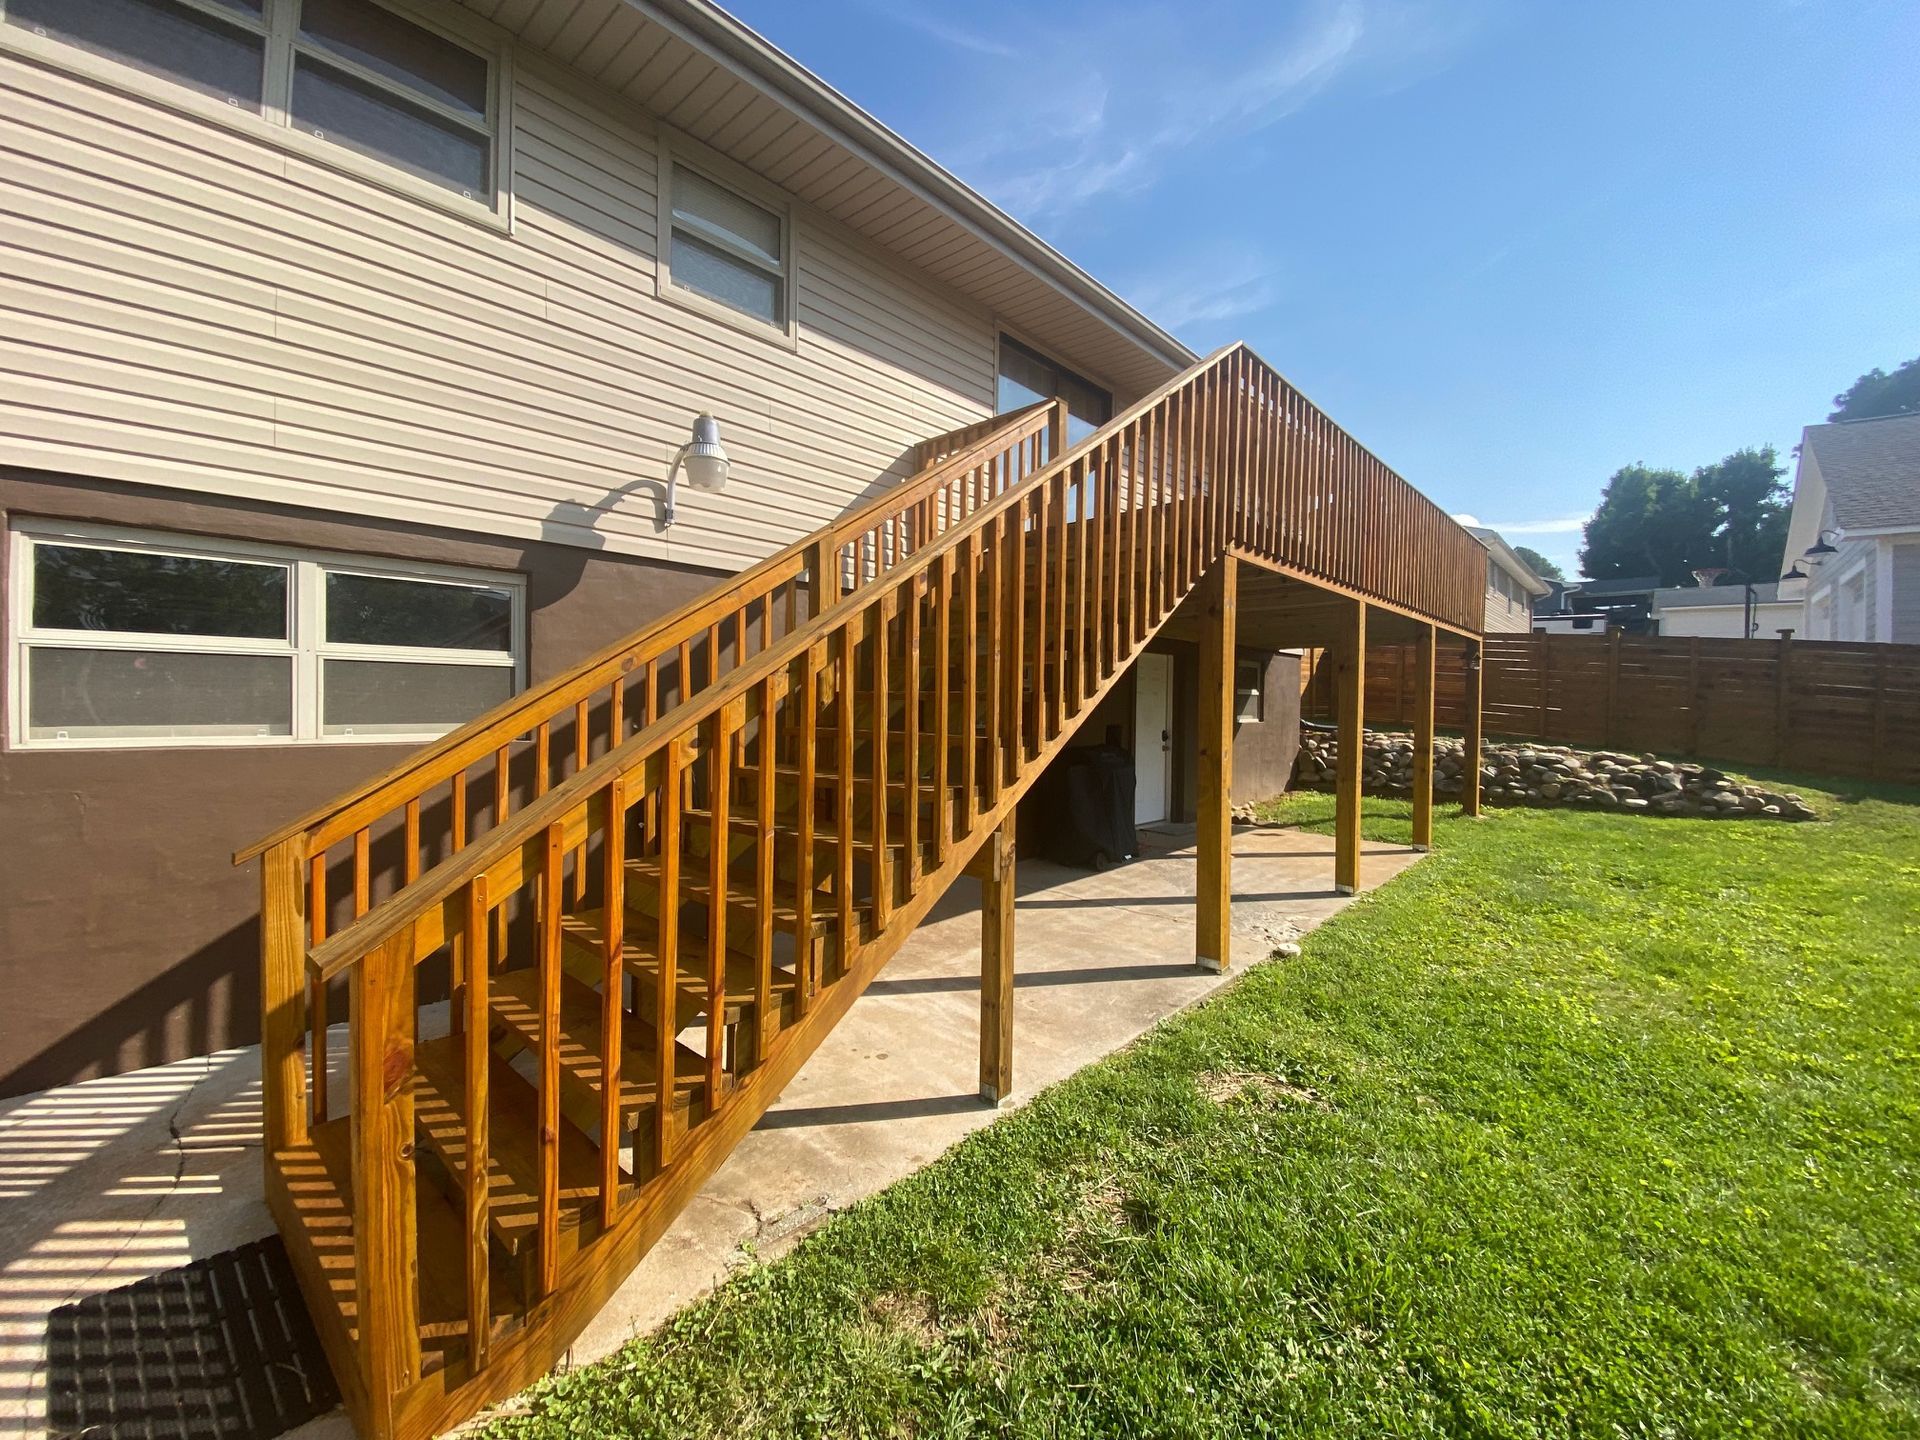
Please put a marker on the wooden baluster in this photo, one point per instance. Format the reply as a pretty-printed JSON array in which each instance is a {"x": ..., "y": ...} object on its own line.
[
  {"x": 1105, "y": 566},
  {"x": 713, "y": 655},
  {"x": 666, "y": 1021},
  {"x": 650, "y": 712},
  {"x": 613, "y": 984},
  {"x": 386, "y": 1269},
  {"x": 803, "y": 964},
  {"x": 969, "y": 580},
  {"x": 362, "y": 872},
  {"x": 994, "y": 552},
  {"x": 1082, "y": 686},
  {"x": 410, "y": 863},
  {"x": 910, "y": 728},
  {"x": 478, "y": 1056},
  {"x": 683, "y": 673},
  {"x": 1015, "y": 662},
  {"x": 942, "y": 704},
  {"x": 283, "y": 995},
  {"x": 579, "y": 764},
  {"x": 881, "y": 862},
  {"x": 764, "y": 1014},
  {"x": 502, "y": 778},
  {"x": 317, "y": 1019},
  {"x": 1037, "y": 656},
  {"x": 617, "y": 714},
  {"x": 552, "y": 866},
  {"x": 719, "y": 895},
  {"x": 843, "y": 797}
]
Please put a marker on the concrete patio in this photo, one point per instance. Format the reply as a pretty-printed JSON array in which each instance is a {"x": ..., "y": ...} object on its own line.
[{"x": 111, "y": 1181}]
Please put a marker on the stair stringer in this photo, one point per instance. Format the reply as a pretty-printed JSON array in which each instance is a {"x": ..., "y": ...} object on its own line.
[{"x": 447, "y": 1397}]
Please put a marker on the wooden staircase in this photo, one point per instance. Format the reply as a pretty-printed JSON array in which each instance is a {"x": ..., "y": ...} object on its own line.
[{"x": 640, "y": 895}]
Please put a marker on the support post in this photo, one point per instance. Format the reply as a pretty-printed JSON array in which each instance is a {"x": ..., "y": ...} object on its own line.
[
  {"x": 1056, "y": 431},
  {"x": 1350, "y": 692},
  {"x": 1470, "y": 756},
  {"x": 1213, "y": 841},
  {"x": 387, "y": 1274},
  {"x": 996, "y": 964},
  {"x": 1424, "y": 658},
  {"x": 283, "y": 994}
]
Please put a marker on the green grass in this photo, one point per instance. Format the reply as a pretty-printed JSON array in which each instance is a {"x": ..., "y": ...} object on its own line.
[{"x": 1588, "y": 1125}]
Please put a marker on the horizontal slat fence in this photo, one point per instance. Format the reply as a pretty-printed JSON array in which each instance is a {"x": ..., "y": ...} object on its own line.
[{"x": 1825, "y": 707}]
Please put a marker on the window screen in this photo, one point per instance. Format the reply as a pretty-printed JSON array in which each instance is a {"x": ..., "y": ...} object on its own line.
[{"x": 727, "y": 248}]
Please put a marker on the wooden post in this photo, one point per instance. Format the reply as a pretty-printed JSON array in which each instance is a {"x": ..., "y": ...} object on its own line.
[
  {"x": 995, "y": 868},
  {"x": 823, "y": 562},
  {"x": 1350, "y": 692},
  {"x": 1056, "y": 431},
  {"x": 1610, "y": 732},
  {"x": 1424, "y": 661},
  {"x": 1783, "y": 702},
  {"x": 283, "y": 994},
  {"x": 1214, "y": 801},
  {"x": 386, "y": 1269},
  {"x": 1470, "y": 757}
]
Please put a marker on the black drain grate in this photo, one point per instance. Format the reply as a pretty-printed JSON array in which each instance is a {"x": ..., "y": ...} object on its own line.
[{"x": 221, "y": 1349}]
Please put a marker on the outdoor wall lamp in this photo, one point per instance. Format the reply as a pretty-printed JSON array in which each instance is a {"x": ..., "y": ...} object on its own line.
[
  {"x": 1821, "y": 548},
  {"x": 1796, "y": 573},
  {"x": 704, "y": 459}
]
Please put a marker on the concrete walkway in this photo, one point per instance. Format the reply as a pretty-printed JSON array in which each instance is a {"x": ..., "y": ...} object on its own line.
[{"x": 114, "y": 1180}]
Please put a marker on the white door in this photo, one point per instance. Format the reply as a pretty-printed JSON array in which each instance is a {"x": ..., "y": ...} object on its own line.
[{"x": 1152, "y": 736}]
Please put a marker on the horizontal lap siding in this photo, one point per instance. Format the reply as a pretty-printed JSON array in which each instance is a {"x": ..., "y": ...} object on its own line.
[
  {"x": 1847, "y": 708},
  {"x": 188, "y": 307}
]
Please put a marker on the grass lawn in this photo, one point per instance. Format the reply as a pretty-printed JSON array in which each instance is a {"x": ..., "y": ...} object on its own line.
[{"x": 1588, "y": 1125}]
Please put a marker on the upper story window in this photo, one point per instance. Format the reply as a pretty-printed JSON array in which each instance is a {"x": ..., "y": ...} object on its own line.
[
  {"x": 726, "y": 247},
  {"x": 350, "y": 73},
  {"x": 1027, "y": 376},
  {"x": 125, "y": 638}
]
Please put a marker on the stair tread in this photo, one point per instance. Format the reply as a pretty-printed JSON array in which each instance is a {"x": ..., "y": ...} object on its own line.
[
  {"x": 641, "y": 956},
  {"x": 515, "y": 998},
  {"x": 513, "y": 1154}
]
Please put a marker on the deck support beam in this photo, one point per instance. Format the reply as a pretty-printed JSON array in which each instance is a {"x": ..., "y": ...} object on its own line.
[
  {"x": 1350, "y": 690},
  {"x": 283, "y": 995},
  {"x": 1423, "y": 682},
  {"x": 1213, "y": 805},
  {"x": 996, "y": 965},
  {"x": 1470, "y": 759}
]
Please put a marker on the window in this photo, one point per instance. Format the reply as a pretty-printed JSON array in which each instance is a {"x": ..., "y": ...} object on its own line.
[
  {"x": 726, "y": 248},
  {"x": 126, "y": 638},
  {"x": 349, "y": 73},
  {"x": 1249, "y": 692},
  {"x": 1026, "y": 376}
]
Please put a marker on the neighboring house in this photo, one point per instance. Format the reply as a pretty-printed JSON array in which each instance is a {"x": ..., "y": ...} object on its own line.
[
  {"x": 1597, "y": 606},
  {"x": 1512, "y": 587},
  {"x": 1725, "y": 611},
  {"x": 1855, "y": 531}
]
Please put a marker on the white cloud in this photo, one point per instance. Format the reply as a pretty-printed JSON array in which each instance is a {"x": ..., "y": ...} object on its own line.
[
  {"x": 1208, "y": 290},
  {"x": 1565, "y": 525},
  {"x": 1090, "y": 101}
]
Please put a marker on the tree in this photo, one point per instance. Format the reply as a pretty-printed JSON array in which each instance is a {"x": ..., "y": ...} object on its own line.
[
  {"x": 1877, "y": 393},
  {"x": 1539, "y": 563},
  {"x": 1664, "y": 523}
]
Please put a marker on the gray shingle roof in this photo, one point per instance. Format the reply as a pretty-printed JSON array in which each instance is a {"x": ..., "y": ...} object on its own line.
[
  {"x": 1872, "y": 470},
  {"x": 1680, "y": 597}
]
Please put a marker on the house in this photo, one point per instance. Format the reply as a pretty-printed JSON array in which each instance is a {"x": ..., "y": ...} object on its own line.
[
  {"x": 1853, "y": 543},
  {"x": 546, "y": 517},
  {"x": 1724, "y": 611},
  {"x": 1512, "y": 587},
  {"x": 1620, "y": 604}
]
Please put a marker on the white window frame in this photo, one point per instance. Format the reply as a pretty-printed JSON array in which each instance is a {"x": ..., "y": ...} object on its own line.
[
  {"x": 306, "y": 644},
  {"x": 274, "y": 124},
  {"x": 715, "y": 171},
  {"x": 1252, "y": 696}
]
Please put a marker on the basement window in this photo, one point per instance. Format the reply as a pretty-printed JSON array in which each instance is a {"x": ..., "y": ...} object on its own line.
[
  {"x": 125, "y": 638},
  {"x": 1249, "y": 692}
]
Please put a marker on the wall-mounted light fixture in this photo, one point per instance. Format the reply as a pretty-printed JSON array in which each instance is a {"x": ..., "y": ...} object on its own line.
[
  {"x": 1821, "y": 547},
  {"x": 1796, "y": 573},
  {"x": 704, "y": 459}
]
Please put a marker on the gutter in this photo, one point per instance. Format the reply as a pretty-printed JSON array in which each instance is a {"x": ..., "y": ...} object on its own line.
[{"x": 711, "y": 30}]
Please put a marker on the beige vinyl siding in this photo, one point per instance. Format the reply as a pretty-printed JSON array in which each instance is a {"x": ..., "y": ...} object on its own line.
[{"x": 184, "y": 305}]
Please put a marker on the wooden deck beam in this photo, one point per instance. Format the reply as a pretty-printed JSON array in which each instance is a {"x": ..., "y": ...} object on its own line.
[{"x": 1424, "y": 669}]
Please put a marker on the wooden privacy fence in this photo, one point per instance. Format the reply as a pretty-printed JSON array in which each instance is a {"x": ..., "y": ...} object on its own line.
[{"x": 1827, "y": 707}]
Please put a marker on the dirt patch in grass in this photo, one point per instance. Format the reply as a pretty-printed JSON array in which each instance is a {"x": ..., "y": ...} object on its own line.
[
  {"x": 912, "y": 1317},
  {"x": 1261, "y": 1091}
]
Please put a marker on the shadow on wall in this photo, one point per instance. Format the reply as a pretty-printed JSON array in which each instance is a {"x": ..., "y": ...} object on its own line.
[{"x": 195, "y": 1006}]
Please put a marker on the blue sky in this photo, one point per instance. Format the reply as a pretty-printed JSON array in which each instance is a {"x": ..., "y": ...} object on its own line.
[{"x": 1511, "y": 245}]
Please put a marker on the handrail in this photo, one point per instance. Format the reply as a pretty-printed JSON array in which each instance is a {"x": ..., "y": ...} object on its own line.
[
  {"x": 1248, "y": 524},
  {"x": 382, "y": 794}
]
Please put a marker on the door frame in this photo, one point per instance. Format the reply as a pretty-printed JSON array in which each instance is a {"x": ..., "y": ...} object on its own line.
[{"x": 1143, "y": 737}]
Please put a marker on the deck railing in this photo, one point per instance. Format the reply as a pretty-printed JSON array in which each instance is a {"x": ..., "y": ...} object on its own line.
[{"x": 830, "y": 783}]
